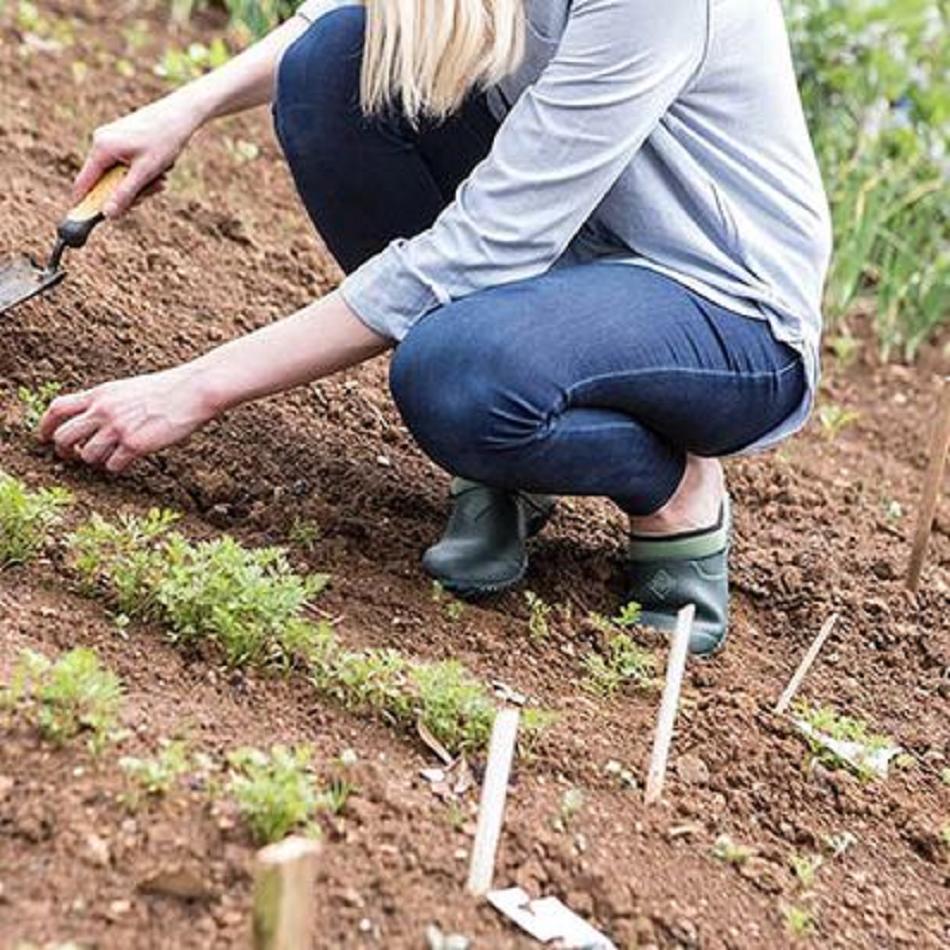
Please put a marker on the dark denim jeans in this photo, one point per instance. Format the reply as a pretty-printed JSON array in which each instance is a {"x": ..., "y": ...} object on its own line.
[{"x": 594, "y": 379}]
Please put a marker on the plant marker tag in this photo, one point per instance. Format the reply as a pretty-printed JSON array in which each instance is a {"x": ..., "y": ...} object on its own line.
[
  {"x": 547, "y": 919},
  {"x": 862, "y": 758}
]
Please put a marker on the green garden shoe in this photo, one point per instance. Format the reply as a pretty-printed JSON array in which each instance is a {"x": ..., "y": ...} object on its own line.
[
  {"x": 483, "y": 548},
  {"x": 665, "y": 574}
]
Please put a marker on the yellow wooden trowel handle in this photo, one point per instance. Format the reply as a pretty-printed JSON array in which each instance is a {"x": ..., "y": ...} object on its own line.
[{"x": 76, "y": 227}]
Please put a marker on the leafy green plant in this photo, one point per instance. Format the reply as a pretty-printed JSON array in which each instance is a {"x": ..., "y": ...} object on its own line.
[
  {"x": 539, "y": 614},
  {"x": 27, "y": 518},
  {"x": 304, "y": 533},
  {"x": 826, "y": 720},
  {"x": 872, "y": 77},
  {"x": 622, "y": 661},
  {"x": 725, "y": 849},
  {"x": 35, "y": 402},
  {"x": 249, "y": 601},
  {"x": 454, "y": 707},
  {"x": 178, "y": 66},
  {"x": 157, "y": 776},
  {"x": 834, "y": 419},
  {"x": 275, "y": 792},
  {"x": 74, "y": 694},
  {"x": 805, "y": 867},
  {"x": 799, "y": 921}
]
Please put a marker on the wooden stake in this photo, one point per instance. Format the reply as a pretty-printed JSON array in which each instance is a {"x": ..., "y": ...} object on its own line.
[
  {"x": 675, "y": 667},
  {"x": 939, "y": 441},
  {"x": 789, "y": 694},
  {"x": 283, "y": 895},
  {"x": 491, "y": 809}
]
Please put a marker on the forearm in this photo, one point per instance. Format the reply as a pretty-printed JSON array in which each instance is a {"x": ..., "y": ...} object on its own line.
[
  {"x": 322, "y": 338},
  {"x": 243, "y": 82}
]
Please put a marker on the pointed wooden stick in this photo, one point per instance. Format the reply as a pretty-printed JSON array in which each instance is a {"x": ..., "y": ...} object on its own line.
[
  {"x": 491, "y": 809},
  {"x": 789, "y": 694},
  {"x": 939, "y": 442},
  {"x": 283, "y": 895},
  {"x": 669, "y": 704}
]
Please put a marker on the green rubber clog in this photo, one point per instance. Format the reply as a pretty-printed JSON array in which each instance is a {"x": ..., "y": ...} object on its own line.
[
  {"x": 664, "y": 574},
  {"x": 483, "y": 549}
]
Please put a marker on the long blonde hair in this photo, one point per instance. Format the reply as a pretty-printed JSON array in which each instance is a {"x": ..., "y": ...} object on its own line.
[{"x": 425, "y": 56}]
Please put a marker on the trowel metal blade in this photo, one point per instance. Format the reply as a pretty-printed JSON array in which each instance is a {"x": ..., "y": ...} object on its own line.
[{"x": 21, "y": 279}]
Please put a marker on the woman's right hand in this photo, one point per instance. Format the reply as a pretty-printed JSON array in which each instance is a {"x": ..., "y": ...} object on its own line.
[{"x": 148, "y": 141}]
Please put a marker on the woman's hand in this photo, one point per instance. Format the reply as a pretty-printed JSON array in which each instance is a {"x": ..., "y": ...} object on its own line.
[
  {"x": 148, "y": 141},
  {"x": 112, "y": 425}
]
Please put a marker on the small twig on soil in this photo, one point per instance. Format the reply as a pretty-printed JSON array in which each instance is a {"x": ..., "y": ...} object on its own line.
[
  {"x": 283, "y": 895},
  {"x": 939, "y": 443},
  {"x": 789, "y": 694},
  {"x": 676, "y": 666},
  {"x": 491, "y": 810}
]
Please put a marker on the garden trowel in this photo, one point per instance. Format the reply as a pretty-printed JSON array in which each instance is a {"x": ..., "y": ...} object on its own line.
[{"x": 22, "y": 278}]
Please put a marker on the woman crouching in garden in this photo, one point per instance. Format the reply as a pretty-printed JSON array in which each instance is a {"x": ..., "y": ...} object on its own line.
[{"x": 593, "y": 230}]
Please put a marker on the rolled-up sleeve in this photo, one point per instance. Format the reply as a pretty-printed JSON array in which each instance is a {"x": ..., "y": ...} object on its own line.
[{"x": 619, "y": 66}]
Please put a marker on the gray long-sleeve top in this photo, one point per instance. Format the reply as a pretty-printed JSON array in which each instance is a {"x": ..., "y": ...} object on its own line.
[{"x": 666, "y": 134}]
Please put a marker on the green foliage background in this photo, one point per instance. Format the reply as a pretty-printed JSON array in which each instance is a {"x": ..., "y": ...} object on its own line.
[{"x": 873, "y": 77}]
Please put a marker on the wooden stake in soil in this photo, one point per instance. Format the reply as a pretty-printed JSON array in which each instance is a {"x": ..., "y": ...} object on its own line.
[
  {"x": 676, "y": 665},
  {"x": 939, "y": 442},
  {"x": 491, "y": 809},
  {"x": 283, "y": 895},
  {"x": 789, "y": 694}
]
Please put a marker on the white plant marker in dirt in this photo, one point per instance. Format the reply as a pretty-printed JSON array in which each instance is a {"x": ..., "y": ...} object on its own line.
[
  {"x": 675, "y": 667},
  {"x": 939, "y": 443},
  {"x": 793, "y": 684},
  {"x": 283, "y": 894},
  {"x": 491, "y": 809}
]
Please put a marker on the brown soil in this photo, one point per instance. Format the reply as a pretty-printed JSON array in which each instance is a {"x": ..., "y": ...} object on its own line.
[{"x": 228, "y": 249}]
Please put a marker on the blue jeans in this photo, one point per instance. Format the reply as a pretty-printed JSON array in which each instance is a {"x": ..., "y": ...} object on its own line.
[{"x": 593, "y": 379}]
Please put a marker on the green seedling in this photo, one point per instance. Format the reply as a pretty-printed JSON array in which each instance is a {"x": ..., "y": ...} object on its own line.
[
  {"x": 27, "y": 519},
  {"x": 725, "y": 849},
  {"x": 369, "y": 679},
  {"x": 457, "y": 709},
  {"x": 838, "y": 844},
  {"x": 336, "y": 796},
  {"x": 275, "y": 792},
  {"x": 242, "y": 151},
  {"x": 945, "y": 776},
  {"x": 178, "y": 67},
  {"x": 805, "y": 867},
  {"x": 572, "y": 802},
  {"x": 622, "y": 662},
  {"x": 156, "y": 777},
  {"x": 799, "y": 921},
  {"x": 248, "y": 601},
  {"x": 834, "y": 419},
  {"x": 845, "y": 348},
  {"x": 893, "y": 510},
  {"x": 64, "y": 698},
  {"x": 945, "y": 835},
  {"x": 35, "y": 402},
  {"x": 454, "y": 608},
  {"x": 122, "y": 558},
  {"x": 304, "y": 533},
  {"x": 826, "y": 720},
  {"x": 539, "y": 614}
]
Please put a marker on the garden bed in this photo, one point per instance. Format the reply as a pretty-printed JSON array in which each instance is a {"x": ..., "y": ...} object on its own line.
[{"x": 329, "y": 471}]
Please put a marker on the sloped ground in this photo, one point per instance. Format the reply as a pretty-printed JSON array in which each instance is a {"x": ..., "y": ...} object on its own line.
[{"x": 823, "y": 525}]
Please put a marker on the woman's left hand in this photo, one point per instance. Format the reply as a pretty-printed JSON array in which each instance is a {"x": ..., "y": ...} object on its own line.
[{"x": 113, "y": 425}]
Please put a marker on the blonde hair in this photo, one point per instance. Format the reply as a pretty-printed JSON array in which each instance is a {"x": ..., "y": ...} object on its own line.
[{"x": 425, "y": 56}]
